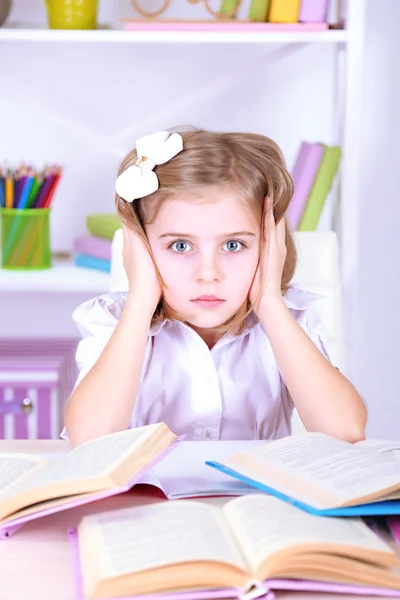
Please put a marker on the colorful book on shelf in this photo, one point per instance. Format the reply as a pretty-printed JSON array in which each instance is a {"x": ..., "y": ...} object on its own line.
[
  {"x": 284, "y": 11},
  {"x": 229, "y": 8},
  {"x": 103, "y": 225},
  {"x": 304, "y": 171},
  {"x": 313, "y": 11},
  {"x": 244, "y": 548},
  {"x": 92, "y": 262},
  {"x": 323, "y": 475},
  {"x": 34, "y": 487},
  {"x": 321, "y": 187},
  {"x": 93, "y": 246},
  {"x": 259, "y": 10}
]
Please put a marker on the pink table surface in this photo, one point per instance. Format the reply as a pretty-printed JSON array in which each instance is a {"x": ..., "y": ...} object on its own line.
[{"x": 36, "y": 563}]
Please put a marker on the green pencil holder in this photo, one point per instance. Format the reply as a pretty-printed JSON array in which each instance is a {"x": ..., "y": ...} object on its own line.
[
  {"x": 72, "y": 14},
  {"x": 25, "y": 238}
]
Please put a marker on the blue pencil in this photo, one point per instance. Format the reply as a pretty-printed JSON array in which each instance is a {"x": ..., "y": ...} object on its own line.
[{"x": 24, "y": 195}]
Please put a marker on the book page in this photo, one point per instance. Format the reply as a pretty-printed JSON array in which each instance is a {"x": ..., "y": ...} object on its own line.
[
  {"x": 318, "y": 469},
  {"x": 154, "y": 535},
  {"x": 390, "y": 447},
  {"x": 184, "y": 474},
  {"x": 265, "y": 526},
  {"x": 18, "y": 468},
  {"x": 92, "y": 459}
]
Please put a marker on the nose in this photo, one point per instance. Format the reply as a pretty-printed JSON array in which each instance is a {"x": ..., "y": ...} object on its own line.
[{"x": 208, "y": 269}]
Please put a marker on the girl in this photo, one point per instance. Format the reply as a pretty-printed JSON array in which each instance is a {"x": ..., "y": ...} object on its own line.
[{"x": 211, "y": 338}]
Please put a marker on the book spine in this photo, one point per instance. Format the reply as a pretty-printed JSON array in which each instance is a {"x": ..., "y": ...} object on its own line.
[
  {"x": 284, "y": 11},
  {"x": 93, "y": 246},
  {"x": 304, "y": 171},
  {"x": 313, "y": 11},
  {"x": 320, "y": 190},
  {"x": 259, "y": 10},
  {"x": 90, "y": 262},
  {"x": 229, "y": 8}
]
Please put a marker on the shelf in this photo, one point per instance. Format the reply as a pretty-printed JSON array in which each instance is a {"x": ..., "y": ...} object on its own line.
[
  {"x": 64, "y": 276},
  {"x": 106, "y": 35}
]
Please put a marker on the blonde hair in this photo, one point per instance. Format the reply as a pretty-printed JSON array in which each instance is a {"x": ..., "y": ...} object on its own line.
[{"x": 250, "y": 164}]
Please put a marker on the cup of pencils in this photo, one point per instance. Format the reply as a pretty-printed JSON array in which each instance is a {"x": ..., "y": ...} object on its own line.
[{"x": 25, "y": 204}]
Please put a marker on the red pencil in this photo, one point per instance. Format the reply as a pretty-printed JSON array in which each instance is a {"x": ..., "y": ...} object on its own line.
[{"x": 47, "y": 201}]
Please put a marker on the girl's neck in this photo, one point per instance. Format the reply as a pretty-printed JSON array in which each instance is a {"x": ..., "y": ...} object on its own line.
[{"x": 207, "y": 335}]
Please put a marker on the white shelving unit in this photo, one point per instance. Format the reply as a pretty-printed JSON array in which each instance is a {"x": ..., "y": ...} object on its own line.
[
  {"x": 63, "y": 277},
  {"x": 23, "y": 33},
  {"x": 348, "y": 48}
]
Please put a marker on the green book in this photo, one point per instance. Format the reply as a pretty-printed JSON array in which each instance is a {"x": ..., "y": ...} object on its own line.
[
  {"x": 321, "y": 188},
  {"x": 103, "y": 225},
  {"x": 259, "y": 10},
  {"x": 228, "y": 8}
]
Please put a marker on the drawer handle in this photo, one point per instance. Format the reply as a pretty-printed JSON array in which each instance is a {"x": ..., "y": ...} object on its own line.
[{"x": 26, "y": 405}]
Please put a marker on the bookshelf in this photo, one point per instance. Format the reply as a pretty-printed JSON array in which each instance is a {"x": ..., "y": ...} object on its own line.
[
  {"x": 185, "y": 49},
  {"x": 63, "y": 277},
  {"x": 24, "y": 33}
]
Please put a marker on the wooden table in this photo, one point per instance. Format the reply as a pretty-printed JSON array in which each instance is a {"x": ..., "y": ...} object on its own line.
[{"x": 35, "y": 563}]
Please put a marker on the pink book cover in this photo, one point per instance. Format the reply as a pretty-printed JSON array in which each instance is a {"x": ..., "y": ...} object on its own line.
[
  {"x": 394, "y": 526},
  {"x": 225, "y": 26},
  {"x": 93, "y": 246},
  {"x": 304, "y": 171},
  {"x": 13, "y": 525},
  {"x": 265, "y": 590},
  {"x": 313, "y": 11}
]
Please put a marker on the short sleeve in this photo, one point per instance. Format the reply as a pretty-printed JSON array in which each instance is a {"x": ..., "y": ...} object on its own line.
[
  {"x": 312, "y": 324},
  {"x": 96, "y": 320}
]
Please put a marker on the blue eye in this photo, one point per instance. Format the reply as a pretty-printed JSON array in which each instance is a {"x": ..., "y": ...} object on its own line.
[
  {"x": 180, "y": 247},
  {"x": 234, "y": 246}
]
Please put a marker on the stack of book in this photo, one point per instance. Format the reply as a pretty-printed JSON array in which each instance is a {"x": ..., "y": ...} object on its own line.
[
  {"x": 93, "y": 250},
  {"x": 313, "y": 174},
  {"x": 278, "y": 11}
]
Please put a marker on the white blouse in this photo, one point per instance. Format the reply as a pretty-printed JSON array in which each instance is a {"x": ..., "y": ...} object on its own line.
[{"x": 234, "y": 391}]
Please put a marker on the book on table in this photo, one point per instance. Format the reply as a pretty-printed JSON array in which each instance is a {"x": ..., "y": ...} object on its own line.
[
  {"x": 32, "y": 486},
  {"x": 215, "y": 548},
  {"x": 322, "y": 474}
]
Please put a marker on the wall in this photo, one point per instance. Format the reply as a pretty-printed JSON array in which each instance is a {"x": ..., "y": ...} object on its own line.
[{"x": 378, "y": 321}]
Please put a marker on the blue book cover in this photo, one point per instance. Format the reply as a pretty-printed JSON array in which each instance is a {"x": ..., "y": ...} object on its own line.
[
  {"x": 92, "y": 262},
  {"x": 385, "y": 507}
]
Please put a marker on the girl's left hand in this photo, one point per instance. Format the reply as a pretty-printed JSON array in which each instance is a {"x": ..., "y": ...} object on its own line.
[{"x": 267, "y": 279}]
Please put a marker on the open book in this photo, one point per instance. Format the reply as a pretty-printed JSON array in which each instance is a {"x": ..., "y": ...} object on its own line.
[
  {"x": 184, "y": 474},
  {"x": 213, "y": 548},
  {"x": 31, "y": 486},
  {"x": 322, "y": 474}
]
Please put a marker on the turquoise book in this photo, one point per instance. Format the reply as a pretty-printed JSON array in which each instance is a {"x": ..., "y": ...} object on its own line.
[
  {"x": 93, "y": 262},
  {"x": 323, "y": 475}
]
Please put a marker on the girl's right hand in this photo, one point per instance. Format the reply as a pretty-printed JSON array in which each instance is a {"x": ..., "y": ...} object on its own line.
[{"x": 140, "y": 269}]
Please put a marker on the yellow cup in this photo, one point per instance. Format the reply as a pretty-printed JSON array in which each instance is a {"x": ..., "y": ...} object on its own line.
[{"x": 72, "y": 14}]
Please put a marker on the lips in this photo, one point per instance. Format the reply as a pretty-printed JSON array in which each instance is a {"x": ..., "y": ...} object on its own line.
[
  {"x": 208, "y": 301},
  {"x": 209, "y": 298}
]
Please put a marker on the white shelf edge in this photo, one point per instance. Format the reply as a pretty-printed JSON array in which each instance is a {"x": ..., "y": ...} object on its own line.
[
  {"x": 63, "y": 277},
  {"x": 121, "y": 36}
]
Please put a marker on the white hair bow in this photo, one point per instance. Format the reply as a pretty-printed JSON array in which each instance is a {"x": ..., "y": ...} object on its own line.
[{"x": 139, "y": 180}]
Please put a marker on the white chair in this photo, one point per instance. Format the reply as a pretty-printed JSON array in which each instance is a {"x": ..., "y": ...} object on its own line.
[{"x": 317, "y": 270}]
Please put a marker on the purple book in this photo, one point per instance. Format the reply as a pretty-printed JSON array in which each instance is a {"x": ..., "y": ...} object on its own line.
[
  {"x": 47, "y": 508},
  {"x": 304, "y": 171},
  {"x": 313, "y": 11},
  {"x": 262, "y": 590},
  {"x": 93, "y": 246}
]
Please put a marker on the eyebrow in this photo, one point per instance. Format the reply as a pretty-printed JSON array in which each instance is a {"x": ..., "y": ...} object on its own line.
[{"x": 227, "y": 235}]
